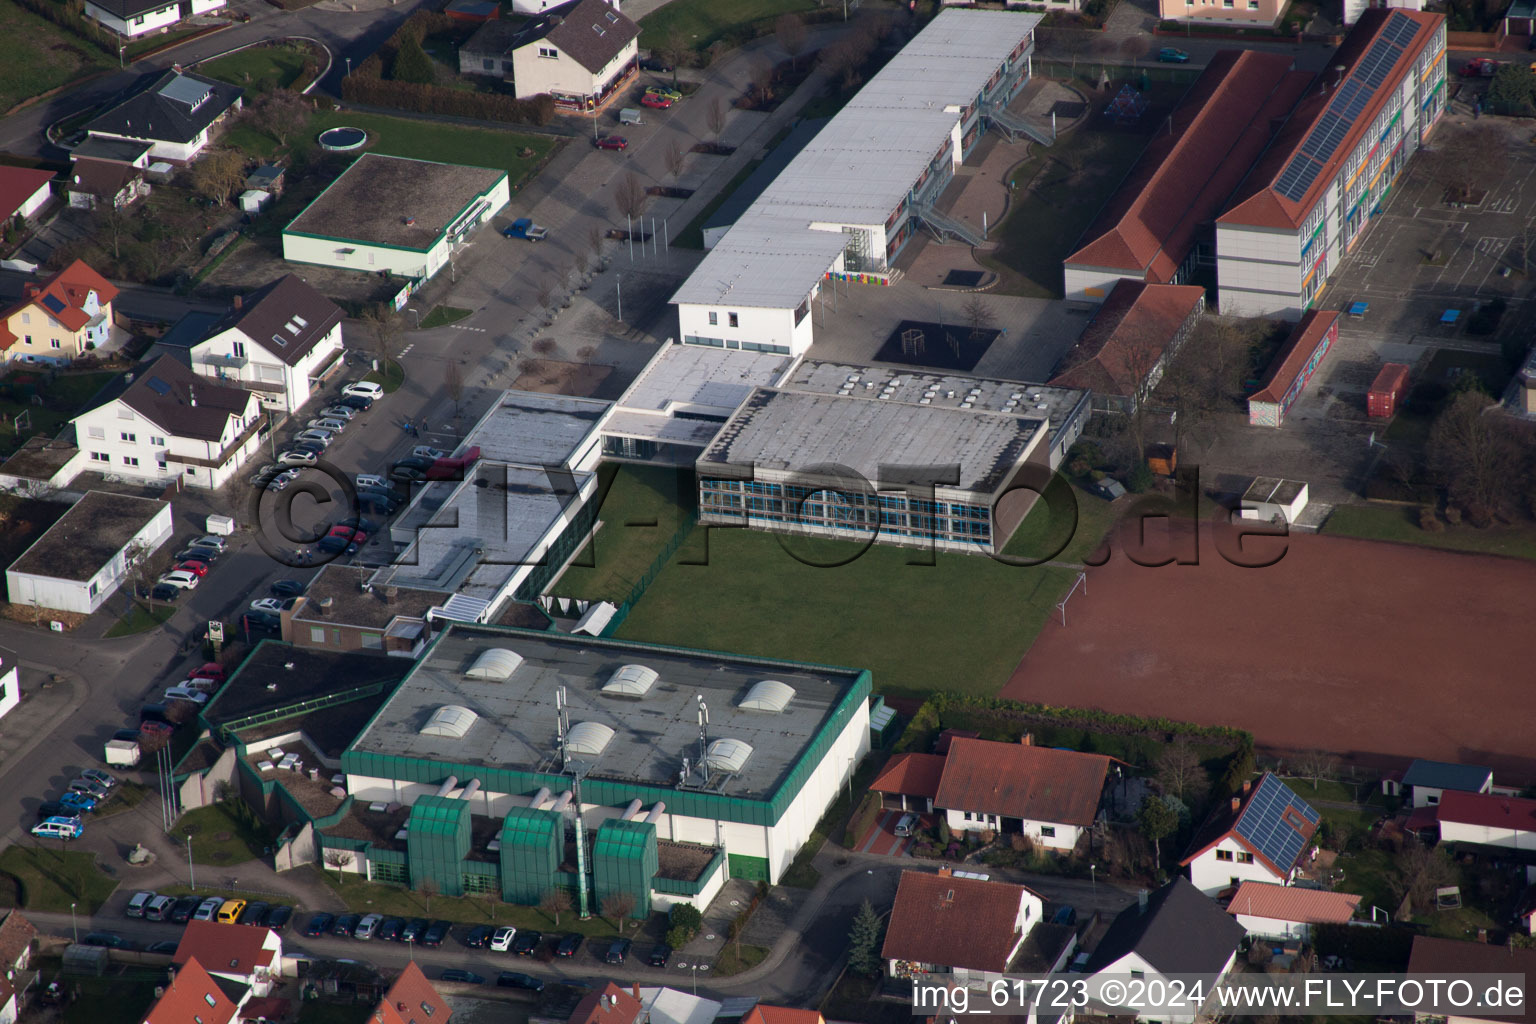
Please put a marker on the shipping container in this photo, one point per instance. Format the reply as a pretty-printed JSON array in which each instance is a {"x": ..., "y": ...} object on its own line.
[
  {"x": 1387, "y": 390},
  {"x": 122, "y": 753}
]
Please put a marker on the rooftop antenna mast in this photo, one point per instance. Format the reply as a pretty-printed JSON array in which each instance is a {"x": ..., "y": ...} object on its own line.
[
  {"x": 562, "y": 723},
  {"x": 577, "y": 770},
  {"x": 703, "y": 736}
]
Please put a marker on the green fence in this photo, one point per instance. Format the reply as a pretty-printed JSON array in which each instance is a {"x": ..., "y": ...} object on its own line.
[{"x": 646, "y": 578}]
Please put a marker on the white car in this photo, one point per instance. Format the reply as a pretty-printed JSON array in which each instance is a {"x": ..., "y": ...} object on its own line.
[
  {"x": 295, "y": 457},
  {"x": 371, "y": 480},
  {"x": 365, "y": 389},
  {"x": 367, "y": 926},
  {"x": 181, "y": 578},
  {"x": 186, "y": 693},
  {"x": 199, "y": 684},
  {"x": 272, "y": 604},
  {"x": 339, "y": 412},
  {"x": 501, "y": 940},
  {"x": 315, "y": 435},
  {"x": 326, "y": 423},
  {"x": 422, "y": 451},
  {"x": 208, "y": 908}
]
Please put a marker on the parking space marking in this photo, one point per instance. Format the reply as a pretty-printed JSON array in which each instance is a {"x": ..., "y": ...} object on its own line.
[{"x": 1504, "y": 204}]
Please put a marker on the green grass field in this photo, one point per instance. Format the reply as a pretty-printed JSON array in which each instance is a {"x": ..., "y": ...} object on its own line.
[
  {"x": 124, "y": 998},
  {"x": 447, "y": 143},
  {"x": 37, "y": 55},
  {"x": 1401, "y": 524},
  {"x": 43, "y": 877},
  {"x": 441, "y": 316},
  {"x": 640, "y": 513},
  {"x": 63, "y": 398},
  {"x": 140, "y": 618},
  {"x": 701, "y": 22},
  {"x": 397, "y": 901},
  {"x": 258, "y": 69},
  {"x": 218, "y": 838}
]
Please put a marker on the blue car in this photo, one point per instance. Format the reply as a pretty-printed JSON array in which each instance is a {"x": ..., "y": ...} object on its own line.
[
  {"x": 78, "y": 801},
  {"x": 1172, "y": 55}
]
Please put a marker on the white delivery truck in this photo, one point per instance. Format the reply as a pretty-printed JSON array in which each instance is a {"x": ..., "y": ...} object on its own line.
[
  {"x": 122, "y": 753},
  {"x": 221, "y": 525}
]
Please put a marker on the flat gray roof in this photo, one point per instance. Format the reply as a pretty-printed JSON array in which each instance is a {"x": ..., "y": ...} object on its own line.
[
  {"x": 686, "y": 381},
  {"x": 390, "y": 200},
  {"x": 789, "y": 431},
  {"x": 351, "y": 605},
  {"x": 940, "y": 390},
  {"x": 88, "y": 536},
  {"x": 515, "y": 727},
  {"x": 532, "y": 428}
]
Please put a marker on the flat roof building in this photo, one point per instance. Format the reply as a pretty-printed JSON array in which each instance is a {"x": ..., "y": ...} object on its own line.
[
  {"x": 395, "y": 214},
  {"x": 82, "y": 559}
]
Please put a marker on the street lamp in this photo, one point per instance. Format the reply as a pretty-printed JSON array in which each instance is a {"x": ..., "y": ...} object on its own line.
[
  {"x": 1093, "y": 877},
  {"x": 72, "y": 925},
  {"x": 191, "y": 873},
  {"x": 349, "y": 66}
]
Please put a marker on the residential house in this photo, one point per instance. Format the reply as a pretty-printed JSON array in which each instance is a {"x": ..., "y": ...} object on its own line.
[
  {"x": 17, "y": 935},
  {"x": 581, "y": 53},
  {"x": 412, "y": 1000},
  {"x": 243, "y": 954},
  {"x": 23, "y": 191},
  {"x": 281, "y": 342},
  {"x": 969, "y": 929},
  {"x": 1235, "y": 14},
  {"x": 1173, "y": 931},
  {"x": 1430, "y": 780},
  {"x": 192, "y": 996},
  {"x": 82, "y": 559},
  {"x": 1125, "y": 348},
  {"x": 1450, "y": 958},
  {"x": 1051, "y": 796},
  {"x": 1273, "y": 911},
  {"x": 60, "y": 319},
  {"x": 175, "y": 112},
  {"x": 342, "y": 610},
  {"x": 163, "y": 422},
  {"x": 133, "y": 18},
  {"x": 1506, "y": 823},
  {"x": 909, "y": 782},
  {"x": 1263, "y": 835},
  {"x": 105, "y": 170},
  {"x": 673, "y": 1006},
  {"x": 611, "y": 1005}
]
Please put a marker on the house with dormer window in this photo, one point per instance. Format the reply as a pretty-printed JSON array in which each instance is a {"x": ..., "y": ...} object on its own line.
[
  {"x": 59, "y": 319},
  {"x": 176, "y": 112},
  {"x": 1263, "y": 835}
]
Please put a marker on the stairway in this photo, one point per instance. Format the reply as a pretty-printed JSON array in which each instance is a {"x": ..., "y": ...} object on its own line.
[
  {"x": 946, "y": 228},
  {"x": 1012, "y": 125}
]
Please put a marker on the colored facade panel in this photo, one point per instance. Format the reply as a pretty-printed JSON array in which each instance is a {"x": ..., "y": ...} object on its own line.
[
  {"x": 437, "y": 840},
  {"x": 624, "y": 861},
  {"x": 751, "y": 869},
  {"x": 532, "y": 845}
]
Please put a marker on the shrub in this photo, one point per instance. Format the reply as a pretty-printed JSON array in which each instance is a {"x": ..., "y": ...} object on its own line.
[
  {"x": 1479, "y": 515},
  {"x": 1428, "y": 521},
  {"x": 944, "y": 833},
  {"x": 1139, "y": 478},
  {"x": 412, "y": 63},
  {"x": 862, "y": 819},
  {"x": 1453, "y": 515}
]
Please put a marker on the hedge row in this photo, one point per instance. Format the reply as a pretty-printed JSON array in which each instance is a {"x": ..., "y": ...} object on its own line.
[
  {"x": 439, "y": 99},
  {"x": 71, "y": 17},
  {"x": 861, "y": 819}
]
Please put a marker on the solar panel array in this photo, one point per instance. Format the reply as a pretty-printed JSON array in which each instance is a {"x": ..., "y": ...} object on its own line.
[
  {"x": 54, "y": 304},
  {"x": 1266, "y": 826},
  {"x": 1346, "y": 107},
  {"x": 158, "y": 386}
]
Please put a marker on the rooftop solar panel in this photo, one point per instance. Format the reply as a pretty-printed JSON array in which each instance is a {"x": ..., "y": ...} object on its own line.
[
  {"x": 1272, "y": 831},
  {"x": 53, "y": 304},
  {"x": 1401, "y": 29},
  {"x": 158, "y": 386}
]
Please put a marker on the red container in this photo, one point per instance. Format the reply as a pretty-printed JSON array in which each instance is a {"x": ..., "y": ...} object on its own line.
[{"x": 1390, "y": 386}]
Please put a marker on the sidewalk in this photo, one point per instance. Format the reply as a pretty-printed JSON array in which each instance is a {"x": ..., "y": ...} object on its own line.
[{"x": 47, "y": 696}]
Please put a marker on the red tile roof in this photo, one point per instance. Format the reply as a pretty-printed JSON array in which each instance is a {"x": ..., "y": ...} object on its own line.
[
  {"x": 1449, "y": 958},
  {"x": 268, "y": 1007},
  {"x": 192, "y": 995},
  {"x": 1294, "y": 354},
  {"x": 910, "y": 775},
  {"x": 226, "y": 948},
  {"x": 954, "y": 922},
  {"x": 70, "y": 286},
  {"x": 16, "y": 935},
  {"x": 1015, "y": 781},
  {"x": 613, "y": 1005},
  {"x": 1487, "y": 810},
  {"x": 1189, "y": 170},
  {"x": 1290, "y": 903},
  {"x": 1132, "y": 329},
  {"x": 412, "y": 1000},
  {"x": 761, "y": 1014},
  {"x": 17, "y": 185},
  {"x": 1257, "y": 203}
]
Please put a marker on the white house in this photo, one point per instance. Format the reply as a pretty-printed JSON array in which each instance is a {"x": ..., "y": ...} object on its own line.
[
  {"x": 23, "y": 191},
  {"x": 16, "y": 937},
  {"x": 580, "y": 53},
  {"x": 1051, "y": 796},
  {"x": 81, "y": 559},
  {"x": 1173, "y": 931},
  {"x": 176, "y": 113},
  {"x": 1484, "y": 819},
  {"x": 1264, "y": 835},
  {"x": 281, "y": 342},
  {"x": 163, "y": 421},
  {"x": 131, "y": 18},
  {"x": 970, "y": 929},
  {"x": 1429, "y": 781},
  {"x": 1283, "y": 912},
  {"x": 239, "y": 953}
]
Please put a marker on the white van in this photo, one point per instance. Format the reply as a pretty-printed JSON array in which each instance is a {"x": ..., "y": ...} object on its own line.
[
  {"x": 59, "y": 828},
  {"x": 905, "y": 825}
]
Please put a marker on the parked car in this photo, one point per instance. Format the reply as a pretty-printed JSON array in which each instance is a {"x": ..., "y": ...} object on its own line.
[
  {"x": 315, "y": 437},
  {"x": 377, "y": 506},
  {"x": 58, "y": 809},
  {"x": 1480, "y": 67},
  {"x": 652, "y": 99},
  {"x": 253, "y": 913},
  {"x": 362, "y": 523},
  {"x": 193, "y": 566},
  {"x": 367, "y": 927},
  {"x": 364, "y": 389},
  {"x": 413, "y": 462},
  {"x": 208, "y": 909},
  {"x": 89, "y": 788},
  {"x": 501, "y": 941},
  {"x": 319, "y": 924},
  {"x": 130, "y": 735},
  {"x": 166, "y": 946},
  {"x": 198, "y": 553},
  {"x": 78, "y": 803},
  {"x": 286, "y": 588},
  {"x": 181, "y": 578},
  {"x": 370, "y": 480},
  {"x": 338, "y": 412},
  {"x": 478, "y": 936},
  {"x": 617, "y": 950},
  {"x": 524, "y": 227},
  {"x": 611, "y": 142},
  {"x": 159, "y": 908},
  {"x": 1172, "y": 55},
  {"x": 59, "y": 828},
  {"x": 265, "y": 621},
  {"x": 362, "y": 403},
  {"x": 155, "y": 728},
  {"x": 166, "y": 592},
  {"x": 336, "y": 546},
  {"x": 435, "y": 933},
  {"x": 346, "y": 924},
  {"x": 186, "y": 693},
  {"x": 423, "y": 451},
  {"x": 407, "y": 475},
  {"x": 111, "y": 940},
  {"x": 185, "y": 907},
  {"x": 462, "y": 977},
  {"x": 659, "y": 955},
  {"x": 569, "y": 944},
  {"x": 137, "y": 903},
  {"x": 527, "y": 942},
  {"x": 516, "y": 979},
  {"x": 384, "y": 493},
  {"x": 665, "y": 91},
  {"x": 297, "y": 457},
  {"x": 390, "y": 929},
  {"x": 655, "y": 64},
  {"x": 413, "y": 929},
  {"x": 100, "y": 777},
  {"x": 333, "y": 424},
  {"x": 350, "y": 534},
  {"x": 273, "y": 604},
  {"x": 230, "y": 911}
]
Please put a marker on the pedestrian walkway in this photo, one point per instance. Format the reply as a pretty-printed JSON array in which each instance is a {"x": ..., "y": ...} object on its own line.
[
  {"x": 882, "y": 839},
  {"x": 46, "y": 698}
]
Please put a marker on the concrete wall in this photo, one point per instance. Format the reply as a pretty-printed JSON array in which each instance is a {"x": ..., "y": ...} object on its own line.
[
  {"x": 1092, "y": 284},
  {"x": 201, "y": 788},
  {"x": 1487, "y": 835},
  {"x": 300, "y": 851}
]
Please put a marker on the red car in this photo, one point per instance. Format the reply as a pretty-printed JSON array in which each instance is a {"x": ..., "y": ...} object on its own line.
[
  {"x": 195, "y": 567},
  {"x": 1480, "y": 67},
  {"x": 611, "y": 142},
  {"x": 350, "y": 534},
  {"x": 213, "y": 670},
  {"x": 650, "y": 99}
]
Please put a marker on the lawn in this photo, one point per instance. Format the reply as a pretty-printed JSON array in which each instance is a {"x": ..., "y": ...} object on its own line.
[
  {"x": 39, "y": 56},
  {"x": 702, "y": 22},
  {"x": 640, "y": 513},
  {"x": 49, "y": 879},
  {"x": 258, "y": 69},
  {"x": 141, "y": 618},
  {"x": 63, "y": 398},
  {"x": 1056, "y": 196},
  {"x": 397, "y": 901},
  {"x": 1071, "y": 534},
  {"x": 125, "y": 797},
  {"x": 1400, "y": 523},
  {"x": 961, "y": 623},
  {"x": 447, "y": 143},
  {"x": 1369, "y": 874},
  {"x": 157, "y": 41},
  {"x": 390, "y": 378},
  {"x": 732, "y": 961},
  {"x": 218, "y": 837},
  {"x": 123, "y": 998},
  {"x": 441, "y": 316}
]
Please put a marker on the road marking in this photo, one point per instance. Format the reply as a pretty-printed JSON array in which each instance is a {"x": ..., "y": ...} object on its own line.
[
  {"x": 460, "y": 327},
  {"x": 1507, "y": 204},
  {"x": 407, "y": 350}
]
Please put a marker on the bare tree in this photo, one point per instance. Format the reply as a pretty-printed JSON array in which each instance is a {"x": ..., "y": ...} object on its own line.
[
  {"x": 618, "y": 906},
  {"x": 1420, "y": 871},
  {"x": 338, "y": 859},
  {"x": 1315, "y": 765},
  {"x": 544, "y": 293},
  {"x": 629, "y": 196},
  {"x": 281, "y": 113},
  {"x": 675, "y": 158},
  {"x": 1465, "y": 157},
  {"x": 977, "y": 315},
  {"x": 1134, "y": 48},
  {"x": 386, "y": 324},
  {"x": 453, "y": 385},
  {"x": 715, "y": 118},
  {"x": 595, "y": 243},
  {"x": 580, "y": 263},
  {"x": 1179, "y": 771},
  {"x": 762, "y": 82},
  {"x": 790, "y": 31},
  {"x": 1475, "y": 451},
  {"x": 114, "y": 225},
  {"x": 428, "y": 889},
  {"x": 218, "y": 174},
  {"x": 675, "y": 50},
  {"x": 555, "y": 902}
]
